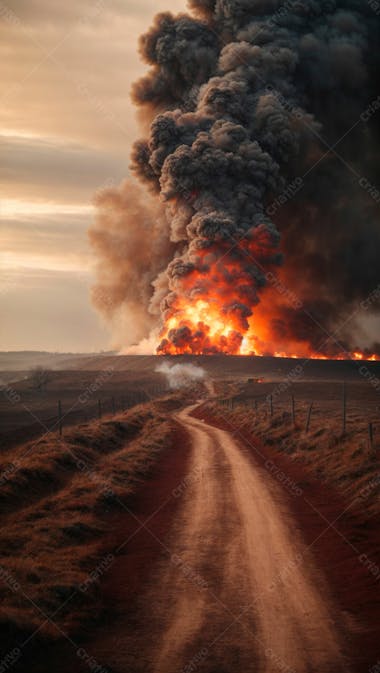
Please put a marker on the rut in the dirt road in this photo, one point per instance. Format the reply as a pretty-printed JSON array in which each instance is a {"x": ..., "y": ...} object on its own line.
[{"x": 241, "y": 592}]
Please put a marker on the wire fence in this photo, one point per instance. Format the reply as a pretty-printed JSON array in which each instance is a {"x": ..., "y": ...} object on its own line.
[
  {"x": 70, "y": 413},
  {"x": 344, "y": 415}
]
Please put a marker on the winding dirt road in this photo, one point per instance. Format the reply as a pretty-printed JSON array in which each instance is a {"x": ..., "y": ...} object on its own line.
[
  {"x": 241, "y": 592},
  {"x": 236, "y": 590}
]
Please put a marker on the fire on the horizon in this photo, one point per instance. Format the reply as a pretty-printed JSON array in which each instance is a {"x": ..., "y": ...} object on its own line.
[
  {"x": 247, "y": 234},
  {"x": 201, "y": 329}
]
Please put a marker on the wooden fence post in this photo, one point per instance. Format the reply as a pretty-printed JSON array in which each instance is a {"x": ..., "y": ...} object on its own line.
[
  {"x": 344, "y": 408},
  {"x": 293, "y": 412},
  {"x": 60, "y": 424},
  {"x": 370, "y": 435},
  {"x": 309, "y": 417}
]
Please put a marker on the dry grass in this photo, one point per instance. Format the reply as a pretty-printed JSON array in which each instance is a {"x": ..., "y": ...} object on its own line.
[
  {"x": 57, "y": 496},
  {"x": 347, "y": 462}
]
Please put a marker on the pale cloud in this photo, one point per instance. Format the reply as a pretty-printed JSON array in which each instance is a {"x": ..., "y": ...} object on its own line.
[
  {"x": 66, "y": 71},
  {"x": 14, "y": 208},
  {"x": 53, "y": 242},
  {"x": 49, "y": 169},
  {"x": 54, "y": 239},
  {"x": 45, "y": 279},
  {"x": 50, "y": 311}
]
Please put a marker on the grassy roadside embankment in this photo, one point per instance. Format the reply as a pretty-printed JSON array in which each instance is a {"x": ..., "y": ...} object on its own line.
[{"x": 57, "y": 497}]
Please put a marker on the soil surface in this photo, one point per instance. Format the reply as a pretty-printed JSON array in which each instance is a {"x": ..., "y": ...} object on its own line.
[
  {"x": 237, "y": 588},
  {"x": 224, "y": 569}
]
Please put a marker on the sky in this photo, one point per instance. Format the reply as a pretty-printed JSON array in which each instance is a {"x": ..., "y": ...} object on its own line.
[{"x": 67, "y": 126}]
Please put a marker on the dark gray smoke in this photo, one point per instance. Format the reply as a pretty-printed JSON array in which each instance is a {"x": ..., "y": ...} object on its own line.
[{"x": 249, "y": 98}]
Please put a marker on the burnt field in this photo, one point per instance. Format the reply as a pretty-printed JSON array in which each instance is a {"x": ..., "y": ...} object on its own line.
[
  {"x": 68, "y": 398},
  {"x": 81, "y": 388}
]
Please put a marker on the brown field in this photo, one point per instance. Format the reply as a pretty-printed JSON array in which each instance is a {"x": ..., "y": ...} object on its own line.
[
  {"x": 119, "y": 382},
  {"x": 76, "y": 552},
  {"x": 346, "y": 454},
  {"x": 60, "y": 498},
  {"x": 26, "y": 413}
]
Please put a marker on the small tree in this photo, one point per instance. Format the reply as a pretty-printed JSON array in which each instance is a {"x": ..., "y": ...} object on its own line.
[{"x": 39, "y": 377}]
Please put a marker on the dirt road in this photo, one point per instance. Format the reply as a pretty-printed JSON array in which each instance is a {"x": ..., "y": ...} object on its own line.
[
  {"x": 238, "y": 568},
  {"x": 238, "y": 590}
]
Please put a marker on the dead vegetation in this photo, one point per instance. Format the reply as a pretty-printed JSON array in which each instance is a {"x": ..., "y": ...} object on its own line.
[
  {"x": 345, "y": 460},
  {"x": 58, "y": 496},
  {"x": 39, "y": 377}
]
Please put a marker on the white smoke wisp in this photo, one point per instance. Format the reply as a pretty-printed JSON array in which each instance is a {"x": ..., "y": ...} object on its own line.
[
  {"x": 181, "y": 376},
  {"x": 145, "y": 347}
]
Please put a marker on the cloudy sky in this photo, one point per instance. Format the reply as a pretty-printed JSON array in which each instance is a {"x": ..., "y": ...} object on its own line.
[{"x": 67, "y": 125}]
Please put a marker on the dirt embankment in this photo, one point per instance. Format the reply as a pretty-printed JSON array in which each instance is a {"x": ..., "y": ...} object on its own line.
[{"x": 69, "y": 508}]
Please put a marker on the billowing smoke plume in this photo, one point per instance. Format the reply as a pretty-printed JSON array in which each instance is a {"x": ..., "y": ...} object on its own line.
[
  {"x": 261, "y": 233},
  {"x": 131, "y": 240},
  {"x": 181, "y": 375}
]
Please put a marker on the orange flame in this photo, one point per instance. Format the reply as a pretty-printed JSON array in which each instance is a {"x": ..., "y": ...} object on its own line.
[
  {"x": 207, "y": 331},
  {"x": 206, "y": 317}
]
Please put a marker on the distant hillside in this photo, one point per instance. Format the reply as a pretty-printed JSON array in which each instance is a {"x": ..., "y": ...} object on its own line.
[
  {"x": 23, "y": 360},
  {"x": 217, "y": 366},
  {"x": 235, "y": 366}
]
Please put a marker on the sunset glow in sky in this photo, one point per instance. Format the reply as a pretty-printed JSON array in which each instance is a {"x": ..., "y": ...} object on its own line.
[{"x": 67, "y": 125}]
